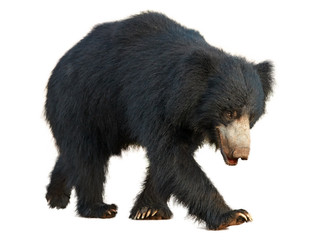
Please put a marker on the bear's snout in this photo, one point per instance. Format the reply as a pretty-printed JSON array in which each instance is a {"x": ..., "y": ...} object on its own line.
[{"x": 234, "y": 140}]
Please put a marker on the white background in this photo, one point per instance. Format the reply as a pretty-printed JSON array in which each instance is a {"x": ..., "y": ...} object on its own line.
[{"x": 278, "y": 185}]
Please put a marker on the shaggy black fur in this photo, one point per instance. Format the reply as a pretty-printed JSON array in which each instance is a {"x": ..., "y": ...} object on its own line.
[{"x": 146, "y": 81}]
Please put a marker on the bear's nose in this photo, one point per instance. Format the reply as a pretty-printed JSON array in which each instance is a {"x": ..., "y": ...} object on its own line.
[{"x": 241, "y": 152}]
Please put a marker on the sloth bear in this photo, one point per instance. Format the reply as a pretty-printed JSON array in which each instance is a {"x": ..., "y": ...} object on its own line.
[{"x": 151, "y": 82}]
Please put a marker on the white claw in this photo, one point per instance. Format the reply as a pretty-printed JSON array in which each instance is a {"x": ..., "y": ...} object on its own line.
[
  {"x": 148, "y": 213},
  {"x": 249, "y": 217},
  {"x": 154, "y": 213},
  {"x": 244, "y": 216},
  {"x": 143, "y": 215}
]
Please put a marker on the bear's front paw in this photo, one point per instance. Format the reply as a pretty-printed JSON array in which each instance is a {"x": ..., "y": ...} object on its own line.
[
  {"x": 235, "y": 217},
  {"x": 146, "y": 213}
]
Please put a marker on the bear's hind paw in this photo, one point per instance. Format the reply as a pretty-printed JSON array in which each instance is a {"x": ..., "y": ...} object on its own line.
[
  {"x": 99, "y": 211},
  {"x": 58, "y": 201}
]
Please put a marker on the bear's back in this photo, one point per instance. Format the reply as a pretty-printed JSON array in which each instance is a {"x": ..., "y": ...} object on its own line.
[{"x": 145, "y": 26}]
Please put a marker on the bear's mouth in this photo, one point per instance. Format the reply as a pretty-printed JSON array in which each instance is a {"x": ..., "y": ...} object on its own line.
[{"x": 228, "y": 160}]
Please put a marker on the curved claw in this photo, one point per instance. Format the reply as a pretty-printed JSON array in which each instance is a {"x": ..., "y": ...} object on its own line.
[
  {"x": 154, "y": 213},
  {"x": 137, "y": 216},
  {"x": 148, "y": 213},
  {"x": 246, "y": 216},
  {"x": 249, "y": 217}
]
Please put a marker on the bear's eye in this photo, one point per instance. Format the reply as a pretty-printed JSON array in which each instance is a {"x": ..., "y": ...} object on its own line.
[{"x": 229, "y": 115}]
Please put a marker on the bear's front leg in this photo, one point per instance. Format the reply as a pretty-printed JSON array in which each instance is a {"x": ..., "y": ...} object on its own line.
[
  {"x": 150, "y": 204},
  {"x": 176, "y": 171}
]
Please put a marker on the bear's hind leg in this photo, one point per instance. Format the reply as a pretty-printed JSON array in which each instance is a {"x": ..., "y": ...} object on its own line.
[
  {"x": 89, "y": 184},
  {"x": 150, "y": 203},
  {"x": 59, "y": 189}
]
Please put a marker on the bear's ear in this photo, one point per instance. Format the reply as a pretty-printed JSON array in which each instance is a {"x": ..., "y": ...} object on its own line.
[{"x": 265, "y": 72}]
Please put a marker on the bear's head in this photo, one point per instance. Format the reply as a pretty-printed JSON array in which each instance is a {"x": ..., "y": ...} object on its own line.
[{"x": 234, "y": 98}]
